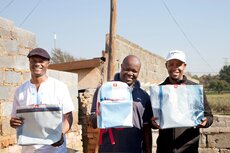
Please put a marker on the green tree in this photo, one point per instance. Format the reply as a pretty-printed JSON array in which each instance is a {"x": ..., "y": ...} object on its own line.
[
  {"x": 195, "y": 77},
  {"x": 58, "y": 56},
  {"x": 205, "y": 79},
  {"x": 225, "y": 73},
  {"x": 218, "y": 85}
]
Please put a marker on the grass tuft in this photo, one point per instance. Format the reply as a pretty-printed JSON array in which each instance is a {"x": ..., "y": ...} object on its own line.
[{"x": 219, "y": 103}]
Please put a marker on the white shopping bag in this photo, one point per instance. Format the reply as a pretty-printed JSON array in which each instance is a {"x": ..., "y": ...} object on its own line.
[
  {"x": 42, "y": 124},
  {"x": 114, "y": 105},
  {"x": 177, "y": 105}
]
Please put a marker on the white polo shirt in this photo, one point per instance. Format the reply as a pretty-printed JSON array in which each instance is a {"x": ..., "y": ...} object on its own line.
[{"x": 52, "y": 91}]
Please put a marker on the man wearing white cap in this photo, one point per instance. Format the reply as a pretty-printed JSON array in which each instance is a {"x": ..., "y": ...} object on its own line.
[{"x": 183, "y": 139}]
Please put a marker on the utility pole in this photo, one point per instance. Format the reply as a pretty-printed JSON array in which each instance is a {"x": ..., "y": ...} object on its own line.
[{"x": 112, "y": 36}]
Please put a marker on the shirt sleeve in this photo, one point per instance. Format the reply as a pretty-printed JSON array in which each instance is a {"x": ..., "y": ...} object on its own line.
[
  {"x": 66, "y": 100},
  {"x": 207, "y": 112},
  {"x": 94, "y": 102}
]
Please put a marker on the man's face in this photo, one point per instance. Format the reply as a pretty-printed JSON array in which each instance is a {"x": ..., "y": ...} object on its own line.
[
  {"x": 175, "y": 69},
  {"x": 129, "y": 71},
  {"x": 38, "y": 66}
]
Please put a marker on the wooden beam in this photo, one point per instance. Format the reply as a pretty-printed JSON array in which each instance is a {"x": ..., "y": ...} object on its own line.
[{"x": 76, "y": 65}]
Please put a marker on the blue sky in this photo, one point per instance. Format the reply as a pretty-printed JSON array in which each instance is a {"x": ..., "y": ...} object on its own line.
[{"x": 200, "y": 28}]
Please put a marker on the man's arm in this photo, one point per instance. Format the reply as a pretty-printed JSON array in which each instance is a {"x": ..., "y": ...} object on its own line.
[
  {"x": 67, "y": 122},
  {"x": 208, "y": 116},
  {"x": 93, "y": 116},
  {"x": 147, "y": 138},
  {"x": 66, "y": 126},
  {"x": 148, "y": 114}
]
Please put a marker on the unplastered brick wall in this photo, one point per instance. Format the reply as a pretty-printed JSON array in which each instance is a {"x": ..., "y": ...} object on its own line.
[
  {"x": 153, "y": 66},
  {"x": 216, "y": 139},
  {"x": 15, "y": 43}
]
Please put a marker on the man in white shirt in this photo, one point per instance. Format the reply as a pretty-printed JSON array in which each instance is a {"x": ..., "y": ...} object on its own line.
[{"x": 41, "y": 89}]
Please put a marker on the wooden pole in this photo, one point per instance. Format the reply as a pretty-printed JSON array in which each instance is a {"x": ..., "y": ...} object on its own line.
[
  {"x": 111, "y": 49},
  {"x": 112, "y": 36}
]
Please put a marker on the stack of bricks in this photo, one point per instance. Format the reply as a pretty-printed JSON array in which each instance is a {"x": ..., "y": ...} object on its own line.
[
  {"x": 93, "y": 139},
  {"x": 89, "y": 135},
  {"x": 216, "y": 139},
  {"x": 74, "y": 143},
  {"x": 152, "y": 65}
]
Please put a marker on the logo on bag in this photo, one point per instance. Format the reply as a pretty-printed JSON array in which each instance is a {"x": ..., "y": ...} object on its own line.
[{"x": 114, "y": 84}]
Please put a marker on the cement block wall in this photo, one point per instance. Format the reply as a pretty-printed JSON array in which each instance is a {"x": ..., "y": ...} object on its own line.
[
  {"x": 216, "y": 139},
  {"x": 153, "y": 66},
  {"x": 89, "y": 78},
  {"x": 15, "y": 43}
]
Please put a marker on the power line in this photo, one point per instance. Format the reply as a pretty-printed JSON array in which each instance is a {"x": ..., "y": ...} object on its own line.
[
  {"x": 185, "y": 35},
  {"x": 6, "y": 6},
  {"x": 28, "y": 15}
]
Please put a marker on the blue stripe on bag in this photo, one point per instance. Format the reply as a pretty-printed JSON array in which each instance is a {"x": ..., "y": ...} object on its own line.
[
  {"x": 198, "y": 107},
  {"x": 160, "y": 98},
  {"x": 28, "y": 110}
]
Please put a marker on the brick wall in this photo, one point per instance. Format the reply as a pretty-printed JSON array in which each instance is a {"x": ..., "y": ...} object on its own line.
[
  {"x": 15, "y": 43},
  {"x": 14, "y": 46},
  {"x": 216, "y": 139},
  {"x": 152, "y": 66}
]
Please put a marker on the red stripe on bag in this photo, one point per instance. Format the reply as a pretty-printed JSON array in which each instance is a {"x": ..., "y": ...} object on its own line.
[
  {"x": 111, "y": 136},
  {"x": 102, "y": 131},
  {"x": 98, "y": 107}
]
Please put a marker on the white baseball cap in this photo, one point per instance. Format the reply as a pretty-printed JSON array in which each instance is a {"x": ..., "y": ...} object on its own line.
[{"x": 176, "y": 54}]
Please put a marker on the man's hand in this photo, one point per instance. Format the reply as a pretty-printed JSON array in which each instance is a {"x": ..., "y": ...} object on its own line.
[
  {"x": 93, "y": 120},
  {"x": 59, "y": 143},
  {"x": 203, "y": 123},
  {"x": 153, "y": 119},
  {"x": 16, "y": 122}
]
